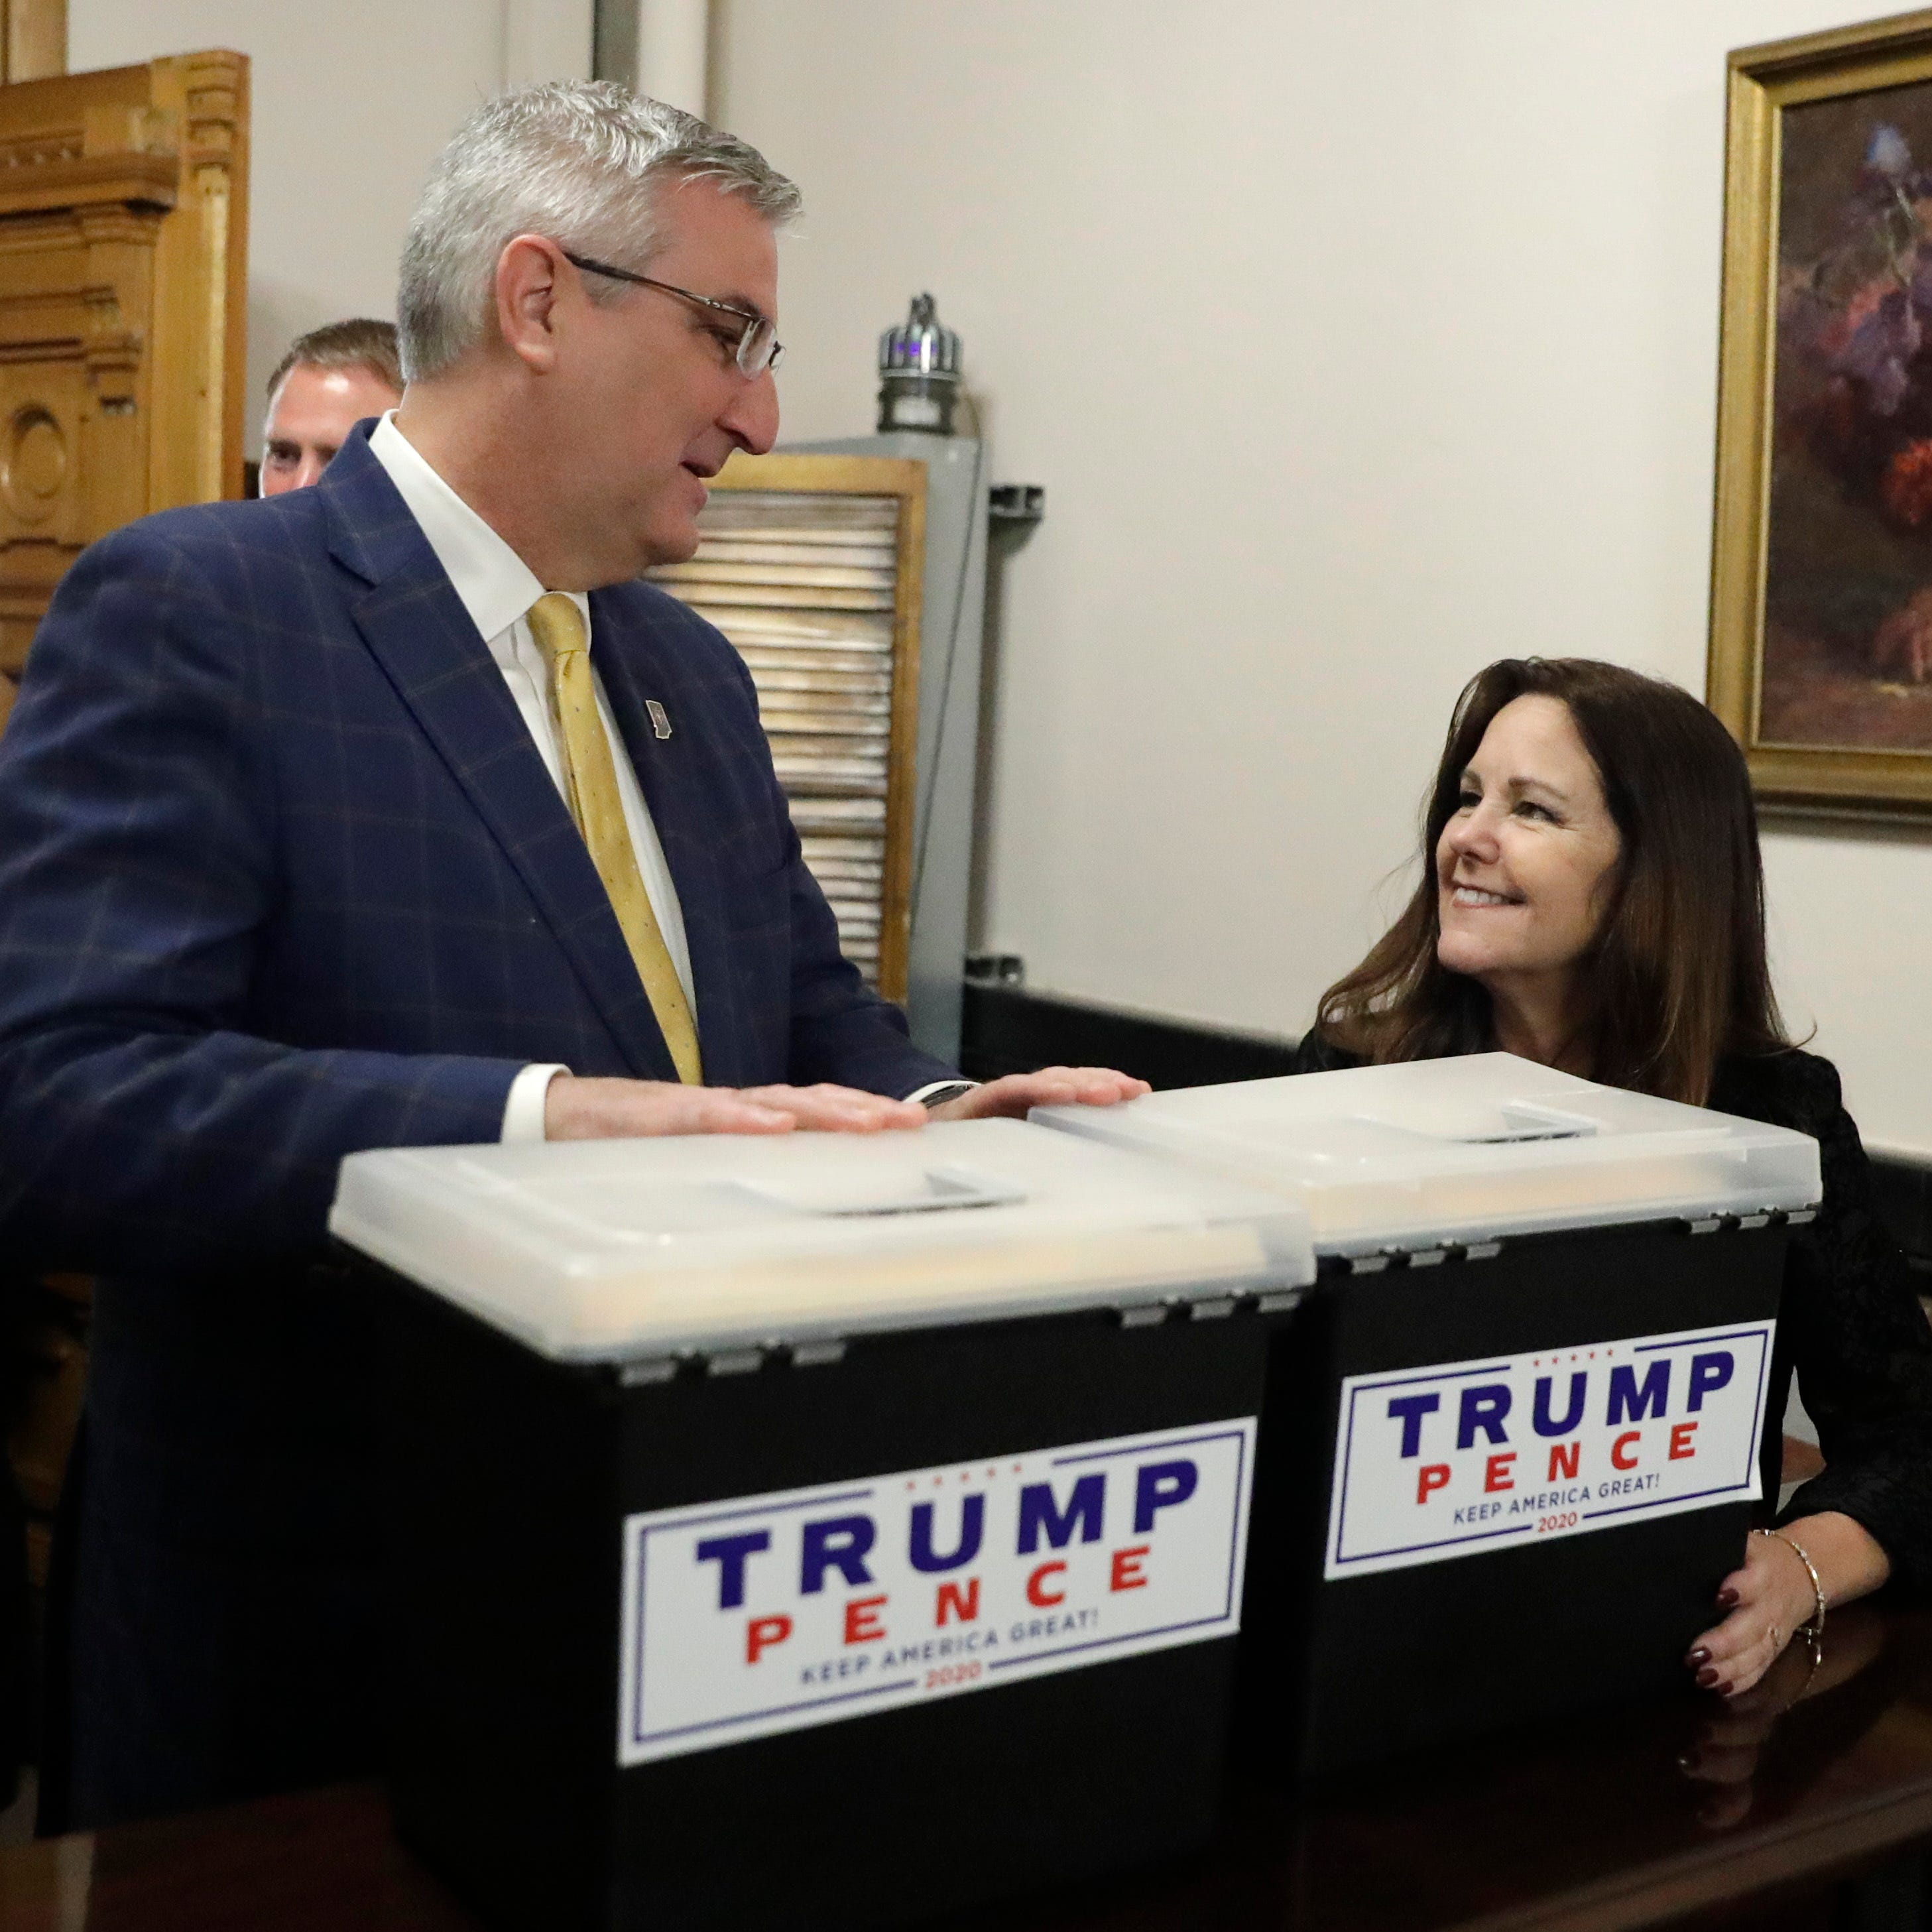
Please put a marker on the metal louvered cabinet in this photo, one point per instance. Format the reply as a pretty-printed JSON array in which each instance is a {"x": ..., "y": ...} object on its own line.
[{"x": 858, "y": 612}]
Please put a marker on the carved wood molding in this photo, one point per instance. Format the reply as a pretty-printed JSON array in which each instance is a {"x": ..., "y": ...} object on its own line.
[{"x": 85, "y": 180}]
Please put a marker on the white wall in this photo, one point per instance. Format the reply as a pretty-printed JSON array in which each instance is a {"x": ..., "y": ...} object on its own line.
[
  {"x": 352, "y": 99},
  {"x": 1356, "y": 346}
]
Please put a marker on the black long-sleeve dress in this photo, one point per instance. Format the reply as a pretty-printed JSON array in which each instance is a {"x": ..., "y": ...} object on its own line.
[{"x": 1850, "y": 1326}]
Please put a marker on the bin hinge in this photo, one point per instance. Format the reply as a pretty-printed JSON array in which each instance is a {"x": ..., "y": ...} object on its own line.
[
  {"x": 1765, "y": 1217},
  {"x": 1279, "y": 1301},
  {"x": 653, "y": 1369}
]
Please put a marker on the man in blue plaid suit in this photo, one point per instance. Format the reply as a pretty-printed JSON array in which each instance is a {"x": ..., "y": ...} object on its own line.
[{"x": 291, "y": 865}]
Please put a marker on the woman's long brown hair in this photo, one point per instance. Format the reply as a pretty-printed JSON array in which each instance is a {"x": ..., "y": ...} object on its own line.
[{"x": 1677, "y": 976}]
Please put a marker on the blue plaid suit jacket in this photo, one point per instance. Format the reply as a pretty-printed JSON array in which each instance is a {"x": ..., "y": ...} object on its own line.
[{"x": 282, "y": 876}]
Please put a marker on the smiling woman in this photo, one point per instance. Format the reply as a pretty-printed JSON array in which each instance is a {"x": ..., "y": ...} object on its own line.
[
  {"x": 1592, "y": 897},
  {"x": 1596, "y": 899},
  {"x": 1524, "y": 870}
]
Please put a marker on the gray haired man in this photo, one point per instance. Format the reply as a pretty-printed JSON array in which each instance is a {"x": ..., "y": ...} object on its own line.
[
  {"x": 576, "y": 406},
  {"x": 376, "y": 843}
]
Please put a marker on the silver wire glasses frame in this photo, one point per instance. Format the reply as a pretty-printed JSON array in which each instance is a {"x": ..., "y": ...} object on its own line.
[{"x": 758, "y": 348}]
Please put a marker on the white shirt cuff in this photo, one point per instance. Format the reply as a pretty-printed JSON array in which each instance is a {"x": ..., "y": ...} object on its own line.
[
  {"x": 523, "y": 1110},
  {"x": 936, "y": 1091}
]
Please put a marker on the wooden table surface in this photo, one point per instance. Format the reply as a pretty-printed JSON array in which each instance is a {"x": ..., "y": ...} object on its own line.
[{"x": 1688, "y": 1813}]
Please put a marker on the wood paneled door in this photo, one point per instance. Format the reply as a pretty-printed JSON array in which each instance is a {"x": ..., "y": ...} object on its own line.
[{"x": 124, "y": 206}]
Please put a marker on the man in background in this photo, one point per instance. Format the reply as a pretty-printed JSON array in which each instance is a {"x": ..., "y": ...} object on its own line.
[{"x": 331, "y": 379}]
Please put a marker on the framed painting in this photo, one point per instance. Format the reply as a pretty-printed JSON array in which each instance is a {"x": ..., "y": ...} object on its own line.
[{"x": 1821, "y": 618}]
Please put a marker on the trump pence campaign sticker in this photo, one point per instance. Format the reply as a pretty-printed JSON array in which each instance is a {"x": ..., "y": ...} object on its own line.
[
  {"x": 761, "y": 1614},
  {"x": 1450, "y": 1461}
]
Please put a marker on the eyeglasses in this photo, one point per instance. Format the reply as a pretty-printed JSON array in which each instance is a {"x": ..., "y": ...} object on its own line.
[{"x": 758, "y": 347}]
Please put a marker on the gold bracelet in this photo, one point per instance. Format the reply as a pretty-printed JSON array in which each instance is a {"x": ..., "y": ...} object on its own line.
[{"x": 1815, "y": 1629}]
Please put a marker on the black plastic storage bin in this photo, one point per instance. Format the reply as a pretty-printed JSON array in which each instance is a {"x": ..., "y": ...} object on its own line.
[
  {"x": 846, "y": 1592},
  {"x": 1514, "y": 1437},
  {"x": 1360, "y": 1668}
]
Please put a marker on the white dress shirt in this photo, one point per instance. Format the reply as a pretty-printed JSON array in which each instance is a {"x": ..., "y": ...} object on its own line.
[{"x": 497, "y": 587}]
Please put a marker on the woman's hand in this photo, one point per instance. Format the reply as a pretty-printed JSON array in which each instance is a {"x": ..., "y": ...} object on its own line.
[
  {"x": 1772, "y": 1596},
  {"x": 1768, "y": 1600},
  {"x": 1725, "y": 1753}
]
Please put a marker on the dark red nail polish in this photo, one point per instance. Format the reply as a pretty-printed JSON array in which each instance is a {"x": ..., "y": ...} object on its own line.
[
  {"x": 1706, "y": 1678},
  {"x": 1727, "y": 1598},
  {"x": 1724, "y": 1689},
  {"x": 1700, "y": 1655}
]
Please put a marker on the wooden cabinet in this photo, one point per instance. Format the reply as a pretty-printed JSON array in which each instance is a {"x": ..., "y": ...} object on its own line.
[
  {"x": 123, "y": 338},
  {"x": 814, "y": 567}
]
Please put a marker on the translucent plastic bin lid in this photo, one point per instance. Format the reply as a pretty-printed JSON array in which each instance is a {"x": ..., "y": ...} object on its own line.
[
  {"x": 1426, "y": 1152},
  {"x": 607, "y": 1250}
]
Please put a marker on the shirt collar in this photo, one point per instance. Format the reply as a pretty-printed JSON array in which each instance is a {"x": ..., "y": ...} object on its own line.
[{"x": 492, "y": 582}]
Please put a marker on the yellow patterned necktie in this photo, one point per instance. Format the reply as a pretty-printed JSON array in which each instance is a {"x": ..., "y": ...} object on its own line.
[{"x": 590, "y": 787}]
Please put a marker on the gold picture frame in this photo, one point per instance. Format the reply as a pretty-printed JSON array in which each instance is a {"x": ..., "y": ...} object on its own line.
[{"x": 1821, "y": 597}]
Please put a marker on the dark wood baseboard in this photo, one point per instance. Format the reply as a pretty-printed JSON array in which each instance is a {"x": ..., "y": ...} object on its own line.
[{"x": 1008, "y": 1030}]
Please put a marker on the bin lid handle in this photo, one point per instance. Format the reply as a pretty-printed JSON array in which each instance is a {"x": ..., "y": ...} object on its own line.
[{"x": 934, "y": 1190}]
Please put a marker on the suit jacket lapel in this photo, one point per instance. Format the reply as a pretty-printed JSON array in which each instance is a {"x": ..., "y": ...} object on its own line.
[
  {"x": 418, "y": 629},
  {"x": 670, "y": 773}
]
